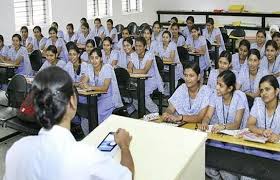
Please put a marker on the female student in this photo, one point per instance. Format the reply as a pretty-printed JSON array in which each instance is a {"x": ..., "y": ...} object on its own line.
[
  {"x": 109, "y": 56},
  {"x": 38, "y": 42},
  {"x": 84, "y": 36},
  {"x": 98, "y": 29},
  {"x": 276, "y": 38},
  {"x": 60, "y": 33},
  {"x": 90, "y": 44},
  {"x": 151, "y": 45},
  {"x": 176, "y": 37},
  {"x": 143, "y": 62},
  {"x": 271, "y": 60},
  {"x": 190, "y": 101},
  {"x": 57, "y": 154},
  {"x": 101, "y": 77},
  {"x": 24, "y": 35},
  {"x": 71, "y": 35},
  {"x": 198, "y": 44},
  {"x": 250, "y": 76},
  {"x": 260, "y": 42},
  {"x": 58, "y": 43},
  {"x": 213, "y": 35},
  {"x": 111, "y": 32},
  {"x": 3, "y": 49},
  {"x": 18, "y": 55},
  {"x": 240, "y": 59},
  {"x": 82, "y": 21},
  {"x": 125, "y": 55},
  {"x": 186, "y": 31},
  {"x": 264, "y": 117},
  {"x": 52, "y": 58},
  {"x": 125, "y": 34},
  {"x": 157, "y": 33},
  {"x": 167, "y": 50}
]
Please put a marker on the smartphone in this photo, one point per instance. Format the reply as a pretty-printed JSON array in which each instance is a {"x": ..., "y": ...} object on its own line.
[{"x": 108, "y": 145}]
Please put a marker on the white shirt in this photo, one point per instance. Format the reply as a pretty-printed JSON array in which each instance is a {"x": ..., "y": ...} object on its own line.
[{"x": 55, "y": 155}]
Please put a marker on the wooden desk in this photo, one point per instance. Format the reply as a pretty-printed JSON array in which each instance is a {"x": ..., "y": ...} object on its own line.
[
  {"x": 171, "y": 72},
  {"x": 195, "y": 55},
  {"x": 9, "y": 71},
  {"x": 159, "y": 152},
  {"x": 7, "y": 65},
  {"x": 140, "y": 92}
]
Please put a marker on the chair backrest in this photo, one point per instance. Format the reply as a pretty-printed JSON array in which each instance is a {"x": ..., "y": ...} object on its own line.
[
  {"x": 98, "y": 41},
  {"x": 223, "y": 30},
  {"x": 183, "y": 54},
  {"x": 36, "y": 60},
  {"x": 123, "y": 79},
  {"x": 209, "y": 46},
  {"x": 238, "y": 32},
  {"x": 119, "y": 28},
  {"x": 16, "y": 91},
  {"x": 133, "y": 28},
  {"x": 160, "y": 64}
]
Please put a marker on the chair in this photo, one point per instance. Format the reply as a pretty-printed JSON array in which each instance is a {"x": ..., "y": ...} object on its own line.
[
  {"x": 238, "y": 32},
  {"x": 133, "y": 28},
  {"x": 183, "y": 55},
  {"x": 36, "y": 60},
  {"x": 119, "y": 28},
  {"x": 98, "y": 41}
]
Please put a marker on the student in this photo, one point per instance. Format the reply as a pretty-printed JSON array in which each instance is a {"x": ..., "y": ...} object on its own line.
[
  {"x": 176, "y": 37},
  {"x": 111, "y": 32},
  {"x": 264, "y": 117},
  {"x": 98, "y": 29},
  {"x": 58, "y": 43},
  {"x": 260, "y": 42},
  {"x": 52, "y": 58},
  {"x": 250, "y": 76},
  {"x": 18, "y": 55},
  {"x": 3, "y": 49},
  {"x": 213, "y": 35},
  {"x": 70, "y": 35},
  {"x": 240, "y": 59},
  {"x": 125, "y": 34},
  {"x": 271, "y": 62},
  {"x": 59, "y": 32},
  {"x": 101, "y": 77},
  {"x": 167, "y": 50},
  {"x": 151, "y": 45},
  {"x": 172, "y": 21},
  {"x": 157, "y": 33},
  {"x": 109, "y": 55},
  {"x": 24, "y": 35},
  {"x": 54, "y": 153},
  {"x": 90, "y": 45},
  {"x": 38, "y": 42},
  {"x": 276, "y": 38},
  {"x": 143, "y": 62},
  {"x": 125, "y": 55},
  {"x": 197, "y": 43},
  {"x": 190, "y": 101},
  {"x": 84, "y": 36},
  {"x": 224, "y": 64},
  {"x": 186, "y": 31},
  {"x": 82, "y": 21}
]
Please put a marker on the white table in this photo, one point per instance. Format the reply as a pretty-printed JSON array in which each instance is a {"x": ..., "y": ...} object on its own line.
[{"x": 159, "y": 151}]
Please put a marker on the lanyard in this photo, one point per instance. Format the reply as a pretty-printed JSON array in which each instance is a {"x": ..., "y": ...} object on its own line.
[
  {"x": 272, "y": 66},
  {"x": 226, "y": 118},
  {"x": 271, "y": 122}
]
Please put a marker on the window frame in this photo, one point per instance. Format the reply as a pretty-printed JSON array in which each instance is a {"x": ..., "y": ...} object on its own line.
[{"x": 97, "y": 8}]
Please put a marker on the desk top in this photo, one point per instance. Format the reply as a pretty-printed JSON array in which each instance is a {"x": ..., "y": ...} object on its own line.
[
  {"x": 84, "y": 92},
  {"x": 7, "y": 65},
  {"x": 139, "y": 76},
  {"x": 159, "y": 151},
  {"x": 194, "y": 53},
  {"x": 169, "y": 63}
]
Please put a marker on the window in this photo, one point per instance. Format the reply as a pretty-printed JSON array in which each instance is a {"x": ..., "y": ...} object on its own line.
[
  {"x": 31, "y": 12},
  {"x": 130, "y": 6},
  {"x": 98, "y": 8}
]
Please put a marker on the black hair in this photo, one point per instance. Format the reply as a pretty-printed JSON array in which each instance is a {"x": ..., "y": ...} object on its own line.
[
  {"x": 52, "y": 48},
  {"x": 271, "y": 43},
  {"x": 38, "y": 28},
  {"x": 53, "y": 29},
  {"x": 129, "y": 40},
  {"x": 175, "y": 24},
  {"x": 97, "y": 51},
  {"x": 210, "y": 21},
  {"x": 91, "y": 41},
  {"x": 55, "y": 24},
  {"x": 97, "y": 19},
  {"x": 255, "y": 52},
  {"x": 53, "y": 88},
  {"x": 175, "y": 19},
  {"x": 190, "y": 18},
  {"x": 110, "y": 21},
  {"x": 18, "y": 36},
  {"x": 70, "y": 44},
  {"x": 125, "y": 29},
  {"x": 24, "y": 28},
  {"x": 272, "y": 80},
  {"x": 262, "y": 31},
  {"x": 142, "y": 40},
  {"x": 228, "y": 78},
  {"x": 246, "y": 43},
  {"x": 194, "y": 66},
  {"x": 83, "y": 19},
  {"x": 108, "y": 39},
  {"x": 149, "y": 29},
  {"x": 167, "y": 32},
  {"x": 227, "y": 55},
  {"x": 157, "y": 22},
  {"x": 85, "y": 24},
  {"x": 195, "y": 27},
  {"x": 1, "y": 38},
  {"x": 276, "y": 34},
  {"x": 70, "y": 25}
]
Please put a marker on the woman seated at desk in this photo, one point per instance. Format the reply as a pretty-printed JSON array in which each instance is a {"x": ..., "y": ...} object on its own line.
[
  {"x": 52, "y": 58},
  {"x": 3, "y": 49},
  {"x": 151, "y": 44},
  {"x": 190, "y": 101},
  {"x": 38, "y": 42},
  {"x": 143, "y": 62},
  {"x": 54, "y": 153},
  {"x": 84, "y": 36},
  {"x": 90, "y": 44},
  {"x": 260, "y": 42},
  {"x": 264, "y": 117},
  {"x": 109, "y": 55},
  {"x": 125, "y": 55},
  {"x": 177, "y": 38},
  {"x": 239, "y": 60}
]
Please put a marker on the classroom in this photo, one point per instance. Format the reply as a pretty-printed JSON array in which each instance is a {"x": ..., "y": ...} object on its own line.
[{"x": 138, "y": 89}]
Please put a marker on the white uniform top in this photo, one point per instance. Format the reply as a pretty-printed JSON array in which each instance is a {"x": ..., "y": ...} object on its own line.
[
  {"x": 158, "y": 37},
  {"x": 153, "y": 47},
  {"x": 213, "y": 78},
  {"x": 261, "y": 49},
  {"x": 60, "y": 34},
  {"x": 111, "y": 33},
  {"x": 84, "y": 56},
  {"x": 98, "y": 32},
  {"x": 37, "y": 44},
  {"x": 26, "y": 41},
  {"x": 114, "y": 55},
  {"x": 82, "y": 39},
  {"x": 55, "y": 154},
  {"x": 186, "y": 32},
  {"x": 4, "y": 51},
  {"x": 211, "y": 37},
  {"x": 271, "y": 68},
  {"x": 236, "y": 66},
  {"x": 74, "y": 37},
  {"x": 59, "y": 43},
  {"x": 180, "y": 42},
  {"x": 119, "y": 45},
  {"x": 46, "y": 64},
  {"x": 70, "y": 69}
]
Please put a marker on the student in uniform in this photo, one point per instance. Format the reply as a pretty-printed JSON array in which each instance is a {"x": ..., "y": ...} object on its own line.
[
  {"x": 84, "y": 36},
  {"x": 125, "y": 55},
  {"x": 18, "y": 55},
  {"x": 98, "y": 29},
  {"x": 151, "y": 45},
  {"x": 101, "y": 77},
  {"x": 111, "y": 32},
  {"x": 240, "y": 59},
  {"x": 260, "y": 42},
  {"x": 109, "y": 55},
  {"x": 176, "y": 36},
  {"x": 3, "y": 49},
  {"x": 52, "y": 58},
  {"x": 90, "y": 45},
  {"x": 38, "y": 42},
  {"x": 125, "y": 34},
  {"x": 250, "y": 75},
  {"x": 276, "y": 38},
  {"x": 172, "y": 21},
  {"x": 71, "y": 35},
  {"x": 213, "y": 35},
  {"x": 264, "y": 117},
  {"x": 157, "y": 33},
  {"x": 54, "y": 153},
  {"x": 143, "y": 62},
  {"x": 190, "y": 101},
  {"x": 24, "y": 35},
  {"x": 82, "y": 21},
  {"x": 59, "y": 32},
  {"x": 186, "y": 31}
]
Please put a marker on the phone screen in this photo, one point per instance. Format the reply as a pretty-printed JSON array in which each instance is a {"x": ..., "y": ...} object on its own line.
[{"x": 108, "y": 143}]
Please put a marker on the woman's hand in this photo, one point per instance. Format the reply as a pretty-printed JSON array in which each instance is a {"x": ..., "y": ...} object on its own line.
[
  {"x": 203, "y": 126},
  {"x": 217, "y": 128}
]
